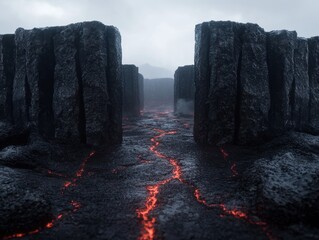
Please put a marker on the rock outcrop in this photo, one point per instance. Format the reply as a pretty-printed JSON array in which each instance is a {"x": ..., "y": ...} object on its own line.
[
  {"x": 252, "y": 85},
  {"x": 67, "y": 82},
  {"x": 184, "y": 89},
  {"x": 131, "y": 91}
]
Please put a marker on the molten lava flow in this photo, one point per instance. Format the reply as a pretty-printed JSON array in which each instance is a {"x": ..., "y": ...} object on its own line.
[
  {"x": 148, "y": 222},
  {"x": 144, "y": 214},
  {"x": 75, "y": 205},
  {"x": 78, "y": 174}
]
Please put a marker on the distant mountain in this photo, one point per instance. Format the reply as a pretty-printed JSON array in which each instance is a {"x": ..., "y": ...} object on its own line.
[{"x": 150, "y": 71}]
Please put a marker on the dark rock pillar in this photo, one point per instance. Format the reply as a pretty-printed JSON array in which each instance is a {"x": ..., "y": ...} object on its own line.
[
  {"x": 131, "y": 95},
  {"x": 280, "y": 49},
  {"x": 300, "y": 111},
  {"x": 253, "y": 100},
  {"x": 68, "y": 82},
  {"x": 184, "y": 89},
  {"x": 314, "y": 83},
  {"x": 141, "y": 90},
  {"x": 7, "y": 71},
  {"x": 231, "y": 80}
]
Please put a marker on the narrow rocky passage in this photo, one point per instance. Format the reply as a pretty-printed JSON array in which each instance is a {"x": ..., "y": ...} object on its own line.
[{"x": 157, "y": 185}]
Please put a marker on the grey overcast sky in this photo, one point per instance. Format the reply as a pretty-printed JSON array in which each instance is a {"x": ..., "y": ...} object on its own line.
[{"x": 160, "y": 32}]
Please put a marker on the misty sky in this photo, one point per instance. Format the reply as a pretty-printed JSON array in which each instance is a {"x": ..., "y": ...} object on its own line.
[{"x": 160, "y": 32}]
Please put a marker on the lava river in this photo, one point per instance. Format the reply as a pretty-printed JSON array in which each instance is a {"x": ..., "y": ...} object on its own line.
[{"x": 148, "y": 221}]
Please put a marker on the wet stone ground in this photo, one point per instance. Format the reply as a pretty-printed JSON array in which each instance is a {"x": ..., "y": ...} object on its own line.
[{"x": 157, "y": 185}]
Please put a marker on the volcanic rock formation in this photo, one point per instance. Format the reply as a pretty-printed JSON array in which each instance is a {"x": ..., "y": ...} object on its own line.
[
  {"x": 131, "y": 90},
  {"x": 141, "y": 90},
  {"x": 64, "y": 82},
  {"x": 184, "y": 89},
  {"x": 251, "y": 85}
]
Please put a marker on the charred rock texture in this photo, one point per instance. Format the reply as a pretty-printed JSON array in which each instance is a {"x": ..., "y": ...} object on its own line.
[
  {"x": 314, "y": 83},
  {"x": 21, "y": 209},
  {"x": 251, "y": 85},
  {"x": 285, "y": 178},
  {"x": 158, "y": 92},
  {"x": 7, "y": 71},
  {"x": 131, "y": 91},
  {"x": 67, "y": 83},
  {"x": 184, "y": 89},
  {"x": 141, "y": 90}
]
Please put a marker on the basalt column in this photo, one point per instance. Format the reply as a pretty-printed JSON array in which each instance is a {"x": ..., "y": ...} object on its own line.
[
  {"x": 314, "y": 84},
  {"x": 252, "y": 85},
  {"x": 67, "y": 83},
  {"x": 141, "y": 90},
  {"x": 131, "y": 93},
  {"x": 184, "y": 89},
  {"x": 7, "y": 71},
  {"x": 231, "y": 81}
]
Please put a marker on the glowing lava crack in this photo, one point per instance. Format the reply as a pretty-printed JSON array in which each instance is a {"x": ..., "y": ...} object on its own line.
[
  {"x": 75, "y": 205},
  {"x": 144, "y": 214}
]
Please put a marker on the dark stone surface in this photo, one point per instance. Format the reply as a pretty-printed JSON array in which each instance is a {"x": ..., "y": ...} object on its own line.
[
  {"x": 285, "y": 179},
  {"x": 314, "y": 83},
  {"x": 117, "y": 181},
  {"x": 21, "y": 209},
  {"x": 141, "y": 90},
  {"x": 184, "y": 89},
  {"x": 300, "y": 111},
  {"x": 7, "y": 71},
  {"x": 131, "y": 91},
  {"x": 253, "y": 100},
  {"x": 280, "y": 49},
  {"x": 252, "y": 85},
  {"x": 67, "y": 84},
  {"x": 12, "y": 135},
  {"x": 66, "y": 94},
  {"x": 231, "y": 78}
]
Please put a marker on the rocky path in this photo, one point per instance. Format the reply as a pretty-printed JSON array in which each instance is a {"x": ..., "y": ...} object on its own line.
[{"x": 157, "y": 185}]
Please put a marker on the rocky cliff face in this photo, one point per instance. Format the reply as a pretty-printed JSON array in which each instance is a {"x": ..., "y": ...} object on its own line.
[
  {"x": 67, "y": 82},
  {"x": 131, "y": 91},
  {"x": 184, "y": 89},
  {"x": 251, "y": 84}
]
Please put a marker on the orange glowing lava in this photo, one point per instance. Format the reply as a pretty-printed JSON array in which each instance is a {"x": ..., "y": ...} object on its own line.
[
  {"x": 148, "y": 222},
  {"x": 75, "y": 205},
  {"x": 144, "y": 214}
]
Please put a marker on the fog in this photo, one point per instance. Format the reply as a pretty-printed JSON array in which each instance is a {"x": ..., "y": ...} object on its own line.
[{"x": 160, "y": 33}]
